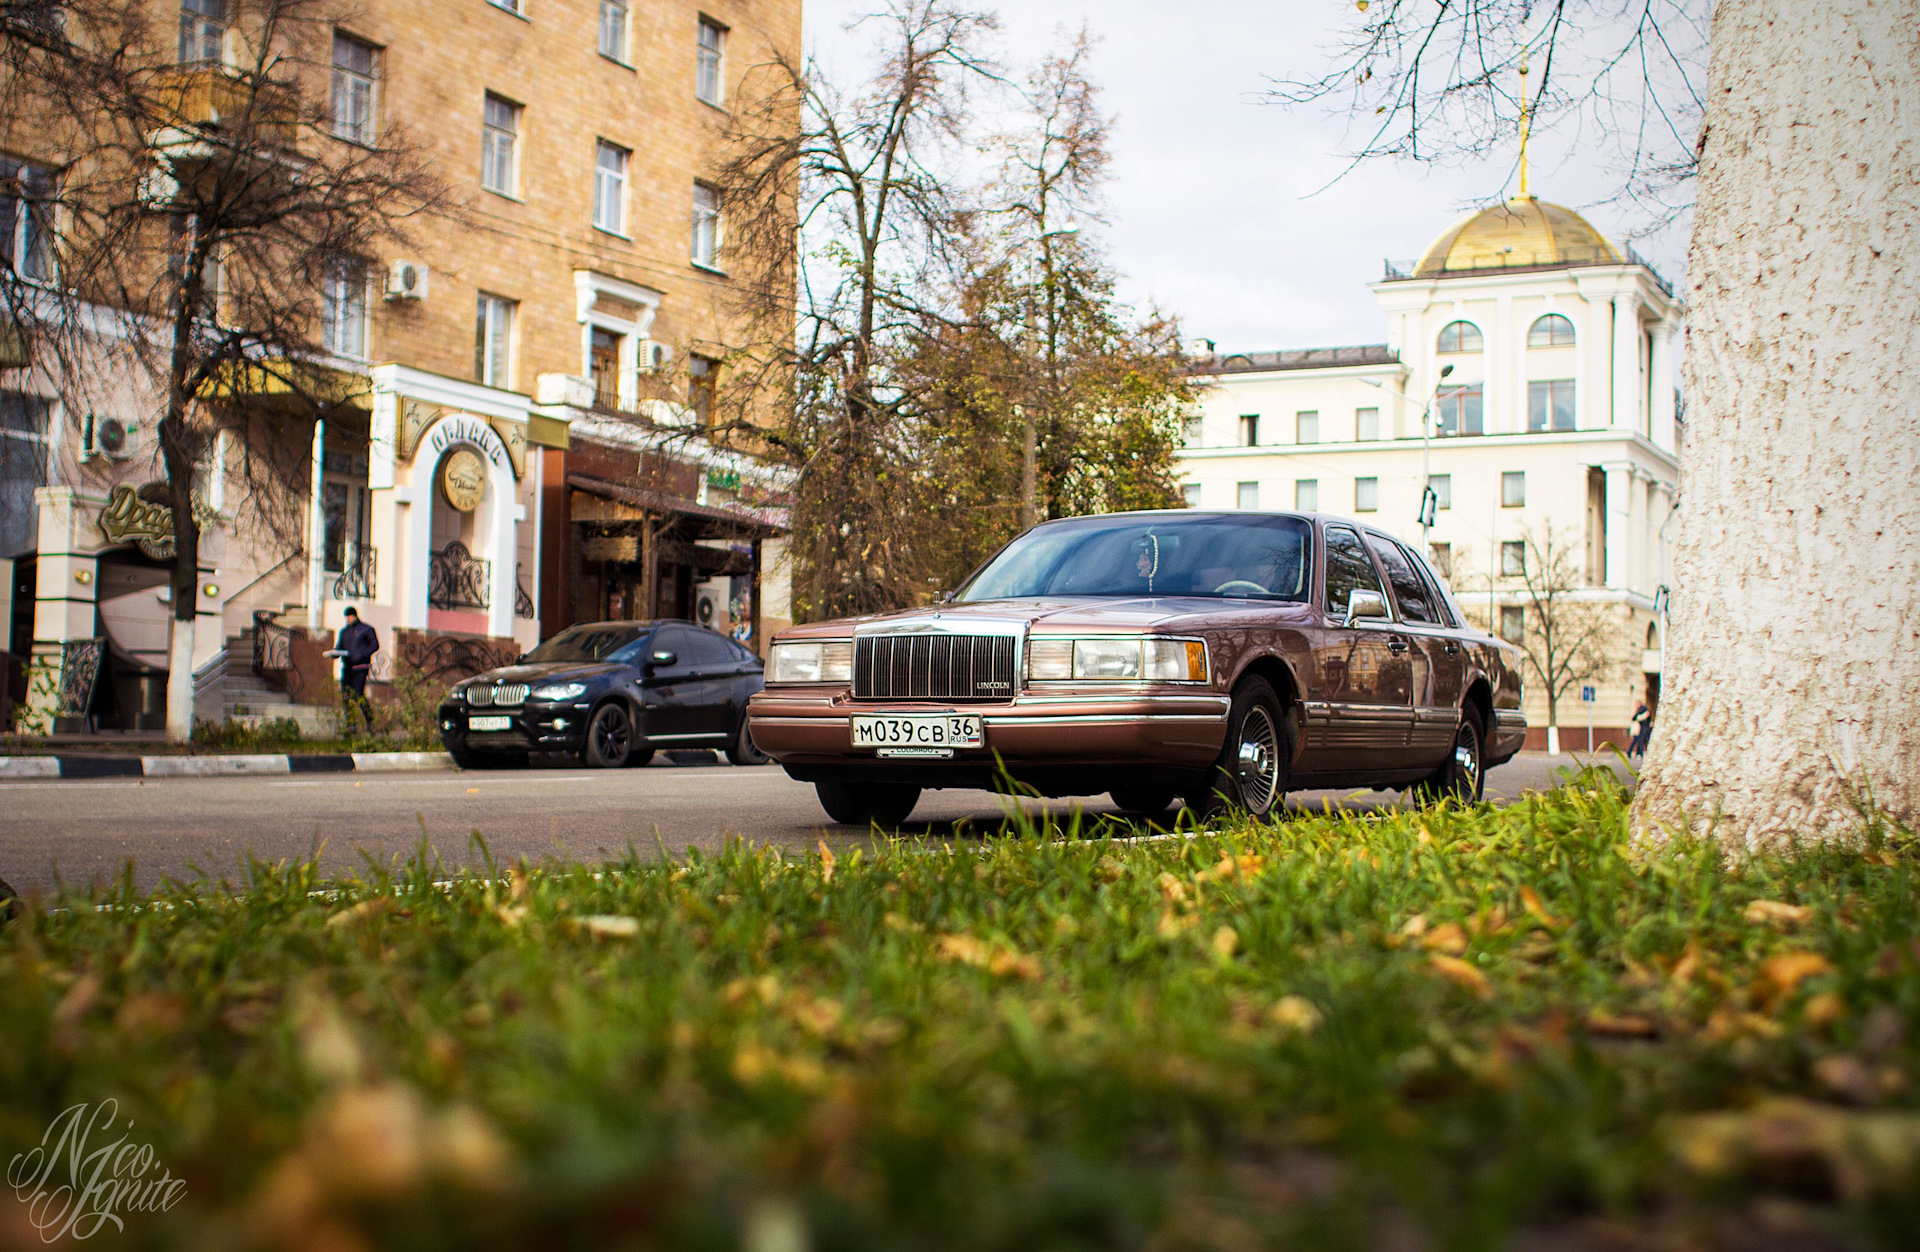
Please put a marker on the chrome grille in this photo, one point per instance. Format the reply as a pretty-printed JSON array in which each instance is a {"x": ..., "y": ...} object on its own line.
[
  {"x": 504, "y": 695},
  {"x": 934, "y": 667}
]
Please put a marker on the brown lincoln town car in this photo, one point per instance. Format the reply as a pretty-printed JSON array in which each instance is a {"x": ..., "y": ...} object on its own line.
[{"x": 1216, "y": 658}]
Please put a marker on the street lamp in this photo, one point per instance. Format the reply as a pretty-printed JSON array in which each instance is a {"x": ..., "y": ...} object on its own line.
[{"x": 1429, "y": 498}]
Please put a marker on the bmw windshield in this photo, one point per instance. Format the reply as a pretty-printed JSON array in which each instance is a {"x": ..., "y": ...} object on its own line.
[
  {"x": 589, "y": 643},
  {"x": 1250, "y": 556}
]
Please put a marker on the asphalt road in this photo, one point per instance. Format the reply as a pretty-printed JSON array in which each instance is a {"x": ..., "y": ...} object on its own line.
[{"x": 81, "y": 832}]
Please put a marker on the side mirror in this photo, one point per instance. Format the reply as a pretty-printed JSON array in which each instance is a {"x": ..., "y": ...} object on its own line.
[
  {"x": 663, "y": 657},
  {"x": 1365, "y": 604}
]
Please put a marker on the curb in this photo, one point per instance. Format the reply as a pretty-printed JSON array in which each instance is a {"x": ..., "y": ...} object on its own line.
[{"x": 18, "y": 768}]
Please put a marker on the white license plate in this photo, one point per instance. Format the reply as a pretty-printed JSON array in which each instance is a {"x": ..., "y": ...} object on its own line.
[
  {"x": 492, "y": 721},
  {"x": 917, "y": 734}
]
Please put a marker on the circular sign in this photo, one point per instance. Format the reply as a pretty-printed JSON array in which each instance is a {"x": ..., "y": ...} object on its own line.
[{"x": 463, "y": 477}]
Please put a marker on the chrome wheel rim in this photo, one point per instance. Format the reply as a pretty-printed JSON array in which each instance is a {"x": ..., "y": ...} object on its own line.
[
  {"x": 1257, "y": 761},
  {"x": 1466, "y": 763}
]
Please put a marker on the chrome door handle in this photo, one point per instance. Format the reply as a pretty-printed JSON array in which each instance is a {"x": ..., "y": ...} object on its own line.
[
  {"x": 1453, "y": 649},
  {"x": 1396, "y": 646}
]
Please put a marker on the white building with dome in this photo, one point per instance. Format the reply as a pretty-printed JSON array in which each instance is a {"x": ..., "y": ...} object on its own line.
[{"x": 1537, "y": 360}]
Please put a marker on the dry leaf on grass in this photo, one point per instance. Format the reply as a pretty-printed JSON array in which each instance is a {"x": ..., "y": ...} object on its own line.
[
  {"x": 1538, "y": 911},
  {"x": 1775, "y": 913},
  {"x": 1621, "y": 1025},
  {"x": 1448, "y": 937},
  {"x": 609, "y": 925},
  {"x": 1455, "y": 970},
  {"x": 1295, "y": 1013},
  {"x": 999, "y": 961},
  {"x": 1861, "y": 1153}
]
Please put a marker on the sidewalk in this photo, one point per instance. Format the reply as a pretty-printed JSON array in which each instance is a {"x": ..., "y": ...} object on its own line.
[{"x": 127, "y": 765}]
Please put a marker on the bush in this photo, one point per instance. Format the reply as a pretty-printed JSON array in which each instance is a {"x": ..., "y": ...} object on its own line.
[{"x": 232, "y": 735}]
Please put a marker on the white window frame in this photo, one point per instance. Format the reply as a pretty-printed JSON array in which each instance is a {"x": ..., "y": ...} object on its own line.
[
  {"x": 706, "y": 228},
  {"x": 1246, "y": 495},
  {"x": 1513, "y": 558},
  {"x": 1306, "y": 495},
  {"x": 494, "y": 327},
  {"x": 1249, "y": 431},
  {"x": 615, "y": 30},
  {"x": 1306, "y": 426},
  {"x": 345, "y": 316},
  {"x": 516, "y": 7},
  {"x": 610, "y": 187},
  {"x": 710, "y": 63},
  {"x": 1513, "y": 489},
  {"x": 500, "y": 143},
  {"x": 349, "y": 82},
  {"x": 1544, "y": 327},
  {"x": 1366, "y": 495},
  {"x": 1190, "y": 492},
  {"x": 31, "y": 233},
  {"x": 1360, "y": 432},
  {"x": 203, "y": 33}
]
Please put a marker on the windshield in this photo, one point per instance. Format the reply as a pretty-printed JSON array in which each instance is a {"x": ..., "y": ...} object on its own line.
[
  {"x": 587, "y": 643},
  {"x": 1252, "y": 556}
]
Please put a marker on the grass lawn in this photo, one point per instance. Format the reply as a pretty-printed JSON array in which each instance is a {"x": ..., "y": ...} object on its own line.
[{"x": 1444, "y": 1029}]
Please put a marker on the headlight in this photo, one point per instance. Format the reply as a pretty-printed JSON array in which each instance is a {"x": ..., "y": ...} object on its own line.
[
  {"x": 560, "y": 691},
  {"x": 811, "y": 662},
  {"x": 1117, "y": 659}
]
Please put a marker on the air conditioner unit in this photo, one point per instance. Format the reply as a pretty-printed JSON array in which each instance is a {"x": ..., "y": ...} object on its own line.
[
  {"x": 655, "y": 357},
  {"x": 110, "y": 437},
  {"x": 406, "y": 280},
  {"x": 710, "y": 607}
]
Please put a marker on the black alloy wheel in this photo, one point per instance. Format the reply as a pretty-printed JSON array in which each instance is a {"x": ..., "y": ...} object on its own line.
[
  {"x": 1463, "y": 774},
  {"x": 609, "y": 737},
  {"x": 743, "y": 751},
  {"x": 1251, "y": 774},
  {"x": 867, "y": 803}
]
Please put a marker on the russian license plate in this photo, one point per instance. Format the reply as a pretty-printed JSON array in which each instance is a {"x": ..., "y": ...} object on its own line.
[
  {"x": 917, "y": 734},
  {"x": 491, "y": 721}
]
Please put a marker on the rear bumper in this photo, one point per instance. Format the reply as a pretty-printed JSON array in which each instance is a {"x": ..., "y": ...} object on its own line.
[{"x": 1507, "y": 735}]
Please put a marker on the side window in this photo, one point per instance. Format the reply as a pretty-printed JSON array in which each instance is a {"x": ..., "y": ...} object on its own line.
[
  {"x": 1348, "y": 569},
  {"x": 1408, "y": 590},
  {"x": 711, "y": 650},
  {"x": 677, "y": 640},
  {"x": 743, "y": 654},
  {"x": 1442, "y": 614}
]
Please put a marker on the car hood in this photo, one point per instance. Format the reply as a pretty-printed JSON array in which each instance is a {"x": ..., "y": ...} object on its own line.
[
  {"x": 552, "y": 671},
  {"x": 1099, "y": 614}
]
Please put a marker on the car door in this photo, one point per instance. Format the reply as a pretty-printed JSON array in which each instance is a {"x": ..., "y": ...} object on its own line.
[
  {"x": 1436, "y": 660},
  {"x": 1364, "y": 679},
  {"x": 670, "y": 688},
  {"x": 716, "y": 667}
]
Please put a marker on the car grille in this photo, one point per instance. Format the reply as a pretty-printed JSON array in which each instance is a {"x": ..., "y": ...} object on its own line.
[
  {"x": 933, "y": 667},
  {"x": 506, "y": 695}
]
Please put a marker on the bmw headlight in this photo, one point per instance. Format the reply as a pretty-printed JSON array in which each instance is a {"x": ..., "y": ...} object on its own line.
[
  {"x": 1117, "y": 658},
  {"x": 830, "y": 662},
  {"x": 560, "y": 691}
]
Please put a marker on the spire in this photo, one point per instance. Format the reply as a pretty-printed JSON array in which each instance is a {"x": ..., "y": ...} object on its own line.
[{"x": 1526, "y": 122}]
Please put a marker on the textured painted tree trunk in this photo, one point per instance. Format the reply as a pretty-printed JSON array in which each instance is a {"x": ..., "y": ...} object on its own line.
[{"x": 1792, "y": 688}]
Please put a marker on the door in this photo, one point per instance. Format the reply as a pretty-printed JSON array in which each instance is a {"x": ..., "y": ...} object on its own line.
[
  {"x": 1436, "y": 660},
  {"x": 1363, "y": 674},
  {"x": 687, "y": 700}
]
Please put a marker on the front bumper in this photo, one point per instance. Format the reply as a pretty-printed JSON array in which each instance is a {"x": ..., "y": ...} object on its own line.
[
  {"x": 1169, "y": 728},
  {"x": 533, "y": 727}
]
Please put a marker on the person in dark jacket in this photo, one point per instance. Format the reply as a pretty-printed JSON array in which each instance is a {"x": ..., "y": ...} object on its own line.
[{"x": 357, "y": 644}]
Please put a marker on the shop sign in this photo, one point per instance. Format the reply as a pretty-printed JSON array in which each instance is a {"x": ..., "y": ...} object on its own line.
[
  {"x": 464, "y": 479},
  {"x": 148, "y": 526},
  {"x": 726, "y": 480},
  {"x": 468, "y": 429}
]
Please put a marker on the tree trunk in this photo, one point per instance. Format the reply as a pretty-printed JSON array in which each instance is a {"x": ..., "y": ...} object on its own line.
[{"x": 1792, "y": 664}]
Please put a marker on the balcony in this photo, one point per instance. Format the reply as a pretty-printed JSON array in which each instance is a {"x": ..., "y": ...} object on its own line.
[{"x": 214, "y": 99}]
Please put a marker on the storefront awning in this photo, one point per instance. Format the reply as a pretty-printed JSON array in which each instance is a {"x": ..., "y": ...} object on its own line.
[
  {"x": 737, "y": 522},
  {"x": 296, "y": 382}
]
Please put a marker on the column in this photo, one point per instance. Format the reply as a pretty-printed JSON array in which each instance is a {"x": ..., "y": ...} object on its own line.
[
  {"x": 317, "y": 527},
  {"x": 1660, "y": 376},
  {"x": 1626, "y": 361},
  {"x": 1619, "y": 505}
]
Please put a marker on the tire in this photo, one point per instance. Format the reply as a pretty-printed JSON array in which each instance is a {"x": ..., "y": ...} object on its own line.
[
  {"x": 743, "y": 751},
  {"x": 867, "y": 804},
  {"x": 1464, "y": 779},
  {"x": 1142, "y": 802},
  {"x": 1251, "y": 775},
  {"x": 609, "y": 738}
]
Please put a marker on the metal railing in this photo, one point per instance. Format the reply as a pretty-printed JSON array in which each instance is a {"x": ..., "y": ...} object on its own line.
[
  {"x": 356, "y": 581},
  {"x": 272, "y": 645},
  {"x": 457, "y": 579}
]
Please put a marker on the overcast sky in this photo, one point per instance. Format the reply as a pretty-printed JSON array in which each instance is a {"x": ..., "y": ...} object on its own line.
[{"x": 1208, "y": 206}]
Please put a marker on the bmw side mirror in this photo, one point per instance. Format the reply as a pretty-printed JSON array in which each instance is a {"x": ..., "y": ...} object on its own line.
[
  {"x": 1365, "y": 604},
  {"x": 663, "y": 657}
]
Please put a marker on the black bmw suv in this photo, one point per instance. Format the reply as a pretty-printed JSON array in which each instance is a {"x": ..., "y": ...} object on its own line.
[{"x": 610, "y": 693}]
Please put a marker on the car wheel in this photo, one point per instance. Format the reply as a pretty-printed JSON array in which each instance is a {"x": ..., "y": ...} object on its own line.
[
  {"x": 863, "y": 804},
  {"x": 1142, "y": 802},
  {"x": 1251, "y": 774},
  {"x": 1463, "y": 775},
  {"x": 744, "y": 751},
  {"x": 609, "y": 737}
]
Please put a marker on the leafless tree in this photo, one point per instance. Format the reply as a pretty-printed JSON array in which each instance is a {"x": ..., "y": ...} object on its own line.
[
  {"x": 1568, "y": 637},
  {"x": 206, "y": 190}
]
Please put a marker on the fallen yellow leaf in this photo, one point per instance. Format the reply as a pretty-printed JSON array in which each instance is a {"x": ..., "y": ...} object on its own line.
[
  {"x": 1775, "y": 913},
  {"x": 1458, "y": 971},
  {"x": 1531, "y": 899},
  {"x": 1447, "y": 937},
  {"x": 610, "y": 926},
  {"x": 1789, "y": 969},
  {"x": 1296, "y": 1013}
]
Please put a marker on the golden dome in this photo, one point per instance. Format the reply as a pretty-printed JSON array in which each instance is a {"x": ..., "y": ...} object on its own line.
[{"x": 1521, "y": 233}]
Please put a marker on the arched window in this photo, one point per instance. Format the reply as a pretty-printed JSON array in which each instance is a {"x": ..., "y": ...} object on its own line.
[
  {"x": 1551, "y": 331},
  {"x": 1460, "y": 337}
]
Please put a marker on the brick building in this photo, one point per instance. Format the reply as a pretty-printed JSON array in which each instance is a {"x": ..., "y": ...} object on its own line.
[{"x": 527, "y": 444}]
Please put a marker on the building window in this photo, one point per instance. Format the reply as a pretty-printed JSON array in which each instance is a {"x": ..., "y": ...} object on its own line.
[
  {"x": 1306, "y": 495},
  {"x": 1551, "y": 331},
  {"x": 1249, "y": 429},
  {"x": 1192, "y": 493},
  {"x": 706, "y": 226},
  {"x": 1248, "y": 496},
  {"x": 703, "y": 387},
  {"x": 343, "y": 309},
  {"x": 1513, "y": 558},
  {"x": 709, "y": 63},
  {"x": 1366, "y": 495},
  {"x": 203, "y": 31},
  {"x": 26, "y": 237},
  {"x": 613, "y": 30},
  {"x": 1513, "y": 623},
  {"x": 1550, "y": 404},
  {"x": 1306, "y": 427},
  {"x": 1441, "y": 554},
  {"x": 1513, "y": 489},
  {"x": 354, "y": 100},
  {"x": 1191, "y": 429},
  {"x": 23, "y": 467},
  {"x": 1461, "y": 337},
  {"x": 518, "y": 7},
  {"x": 1460, "y": 410},
  {"x": 1442, "y": 485},
  {"x": 1366, "y": 425},
  {"x": 603, "y": 360},
  {"x": 499, "y": 142},
  {"x": 610, "y": 188},
  {"x": 493, "y": 340}
]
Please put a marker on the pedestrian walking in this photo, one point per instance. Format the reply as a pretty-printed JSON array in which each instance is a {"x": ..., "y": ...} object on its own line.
[
  {"x": 355, "y": 647},
  {"x": 1643, "y": 724}
]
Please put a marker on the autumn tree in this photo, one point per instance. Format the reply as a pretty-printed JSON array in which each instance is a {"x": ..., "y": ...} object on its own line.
[
  {"x": 214, "y": 201},
  {"x": 1567, "y": 637}
]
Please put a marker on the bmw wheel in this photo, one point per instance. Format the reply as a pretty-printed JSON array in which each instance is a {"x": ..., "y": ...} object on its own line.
[{"x": 609, "y": 737}]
